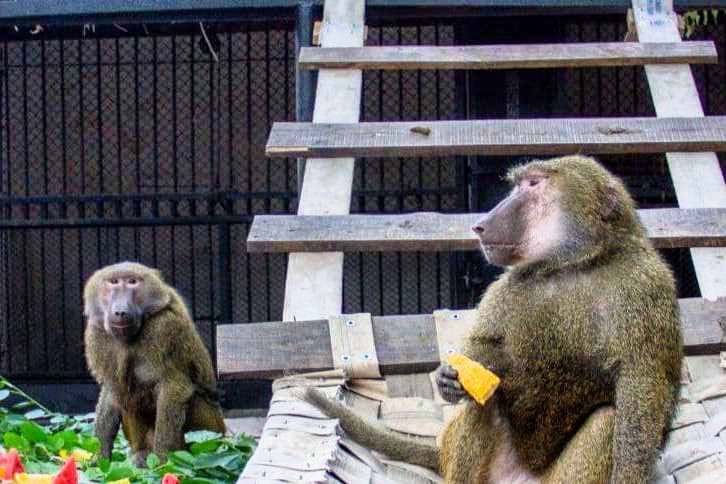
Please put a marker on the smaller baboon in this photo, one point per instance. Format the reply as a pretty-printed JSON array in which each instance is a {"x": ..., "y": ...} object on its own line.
[
  {"x": 156, "y": 376},
  {"x": 583, "y": 330}
]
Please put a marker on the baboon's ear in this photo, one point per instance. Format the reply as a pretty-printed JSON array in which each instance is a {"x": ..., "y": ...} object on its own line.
[{"x": 612, "y": 204}]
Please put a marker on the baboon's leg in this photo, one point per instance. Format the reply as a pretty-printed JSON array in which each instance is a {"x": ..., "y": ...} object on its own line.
[
  {"x": 204, "y": 416},
  {"x": 480, "y": 429},
  {"x": 588, "y": 456},
  {"x": 137, "y": 431},
  {"x": 108, "y": 419},
  {"x": 172, "y": 405}
]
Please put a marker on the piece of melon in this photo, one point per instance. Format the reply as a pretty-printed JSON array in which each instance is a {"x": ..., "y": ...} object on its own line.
[{"x": 478, "y": 382}]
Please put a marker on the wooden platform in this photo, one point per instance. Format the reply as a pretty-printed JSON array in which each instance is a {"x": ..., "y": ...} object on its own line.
[
  {"x": 529, "y": 56},
  {"x": 299, "y": 444},
  {"x": 498, "y": 137},
  {"x": 430, "y": 231},
  {"x": 269, "y": 350}
]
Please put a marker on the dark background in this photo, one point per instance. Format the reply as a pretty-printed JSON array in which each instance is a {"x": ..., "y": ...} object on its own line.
[{"x": 132, "y": 142}]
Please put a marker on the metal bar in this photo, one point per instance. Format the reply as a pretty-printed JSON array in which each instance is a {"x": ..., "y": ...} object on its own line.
[
  {"x": 110, "y": 222},
  {"x": 109, "y": 11},
  {"x": 224, "y": 278},
  {"x": 162, "y": 197},
  {"x": 304, "y": 80}
]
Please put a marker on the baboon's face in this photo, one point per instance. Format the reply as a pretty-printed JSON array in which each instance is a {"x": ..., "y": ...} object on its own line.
[
  {"x": 525, "y": 226},
  {"x": 121, "y": 297}
]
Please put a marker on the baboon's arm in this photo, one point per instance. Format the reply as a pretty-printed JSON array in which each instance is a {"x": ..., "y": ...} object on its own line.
[
  {"x": 173, "y": 395},
  {"x": 108, "y": 420},
  {"x": 642, "y": 410}
]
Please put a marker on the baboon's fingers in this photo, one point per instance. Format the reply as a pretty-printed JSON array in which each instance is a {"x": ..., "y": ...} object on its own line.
[
  {"x": 449, "y": 383},
  {"x": 448, "y": 371},
  {"x": 451, "y": 395}
]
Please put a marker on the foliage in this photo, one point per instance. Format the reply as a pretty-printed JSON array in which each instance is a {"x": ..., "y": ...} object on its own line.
[
  {"x": 695, "y": 19},
  {"x": 44, "y": 438}
]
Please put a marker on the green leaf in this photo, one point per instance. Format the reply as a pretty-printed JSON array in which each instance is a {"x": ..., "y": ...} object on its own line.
[
  {"x": 39, "y": 467},
  {"x": 70, "y": 439},
  {"x": 200, "y": 480},
  {"x": 223, "y": 459},
  {"x": 4, "y": 394},
  {"x": 41, "y": 452},
  {"x": 182, "y": 457},
  {"x": 153, "y": 461},
  {"x": 12, "y": 440},
  {"x": 204, "y": 447},
  {"x": 91, "y": 444},
  {"x": 118, "y": 456},
  {"x": 33, "y": 414},
  {"x": 33, "y": 432},
  {"x": 104, "y": 464},
  {"x": 201, "y": 436},
  {"x": 120, "y": 471},
  {"x": 13, "y": 420},
  {"x": 59, "y": 419},
  {"x": 23, "y": 404},
  {"x": 55, "y": 443}
]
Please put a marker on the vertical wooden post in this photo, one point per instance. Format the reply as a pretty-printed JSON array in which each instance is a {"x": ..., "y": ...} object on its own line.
[
  {"x": 314, "y": 285},
  {"x": 697, "y": 177}
]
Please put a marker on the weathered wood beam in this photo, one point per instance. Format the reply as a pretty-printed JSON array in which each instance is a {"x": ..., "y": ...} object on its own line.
[
  {"x": 404, "y": 344},
  {"x": 430, "y": 231},
  {"x": 314, "y": 284},
  {"x": 498, "y": 137},
  {"x": 528, "y": 56}
]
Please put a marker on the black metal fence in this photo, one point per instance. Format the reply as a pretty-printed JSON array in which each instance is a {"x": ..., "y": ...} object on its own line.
[{"x": 147, "y": 143}]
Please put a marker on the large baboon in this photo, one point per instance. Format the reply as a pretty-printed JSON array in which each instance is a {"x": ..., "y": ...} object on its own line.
[
  {"x": 583, "y": 330},
  {"x": 142, "y": 347}
]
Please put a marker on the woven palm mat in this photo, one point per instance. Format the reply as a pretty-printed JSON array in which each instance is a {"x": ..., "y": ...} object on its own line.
[{"x": 299, "y": 444}]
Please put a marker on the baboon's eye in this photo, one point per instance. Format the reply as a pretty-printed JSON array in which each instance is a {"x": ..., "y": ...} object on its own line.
[
  {"x": 113, "y": 281},
  {"x": 132, "y": 281},
  {"x": 533, "y": 182}
]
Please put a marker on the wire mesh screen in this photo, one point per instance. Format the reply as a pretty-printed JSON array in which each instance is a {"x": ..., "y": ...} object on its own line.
[
  {"x": 148, "y": 144},
  {"x": 406, "y": 282},
  {"x": 596, "y": 92}
]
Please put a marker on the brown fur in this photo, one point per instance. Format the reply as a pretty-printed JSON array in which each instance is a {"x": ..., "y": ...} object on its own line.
[
  {"x": 585, "y": 337},
  {"x": 159, "y": 384}
]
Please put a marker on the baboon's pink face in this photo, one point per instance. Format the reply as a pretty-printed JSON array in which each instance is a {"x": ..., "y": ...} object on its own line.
[
  {"x": 121, "y": 297},
  {"x": 525, "y": 226}
]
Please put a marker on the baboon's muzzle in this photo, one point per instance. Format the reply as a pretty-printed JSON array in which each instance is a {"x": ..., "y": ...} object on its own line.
[{"x": 501, "y": 230}]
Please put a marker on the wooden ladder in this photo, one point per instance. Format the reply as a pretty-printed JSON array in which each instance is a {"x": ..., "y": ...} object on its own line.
[{"x": 323, "y": 229}]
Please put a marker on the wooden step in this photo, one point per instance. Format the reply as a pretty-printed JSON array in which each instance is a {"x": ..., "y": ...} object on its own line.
[
  {"x": 498, "y": 137},
  {"x": 526, "y": 56},
  {"x": 404, "y": 344},
  {"x": 430, "y": 231}
]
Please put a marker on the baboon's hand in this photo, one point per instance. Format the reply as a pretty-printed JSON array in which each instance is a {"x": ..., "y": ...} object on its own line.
[{"x": 449, "y": 386}]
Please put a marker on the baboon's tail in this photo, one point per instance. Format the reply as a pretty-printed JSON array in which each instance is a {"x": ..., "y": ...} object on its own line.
[{"x": 373, "y": 435}]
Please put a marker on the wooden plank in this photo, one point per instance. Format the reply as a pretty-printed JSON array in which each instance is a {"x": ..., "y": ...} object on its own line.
[
  {"x": 430, "y": 231},
  {"x": 525, "y": 56},
  {"x": 697, "y": 177},
  {"x": 405, "y": 344},
  {"x": 314, "y": 284},
  {"x": 498, "y": 137}
]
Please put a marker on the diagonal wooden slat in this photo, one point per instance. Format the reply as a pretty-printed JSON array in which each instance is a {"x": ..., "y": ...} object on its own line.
[
  {"x": 527, "y": 56},
  {"x": 404, "y": 344},
  {"x": 314, "y": 283},
  {"x": 498, "y": 137},
  {"x": 429, "y": 231}
]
